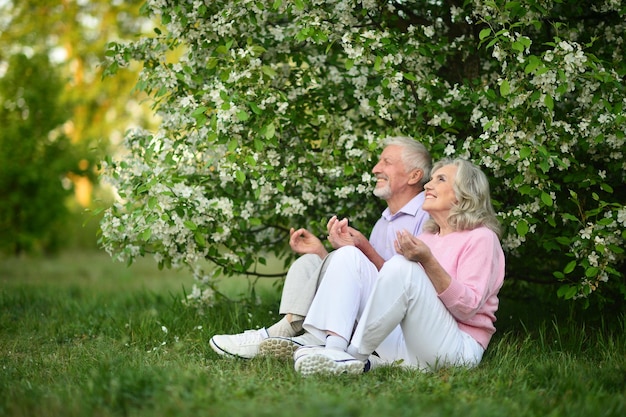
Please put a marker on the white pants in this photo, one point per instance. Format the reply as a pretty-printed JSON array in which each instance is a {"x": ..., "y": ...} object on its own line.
[
  {"x": 398, "y": 312},
  {"x": 341, "y": 298}
]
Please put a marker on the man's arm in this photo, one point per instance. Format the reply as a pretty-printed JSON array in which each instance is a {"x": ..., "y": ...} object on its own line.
[{"x": 364, "y": 245}]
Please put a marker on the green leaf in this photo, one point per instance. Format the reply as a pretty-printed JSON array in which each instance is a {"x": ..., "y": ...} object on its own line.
[
  {"x": 607, "y": 188},
  {"x": 146, "y": 234},
  {"x": 518, "y": 46},
  {"x": 567, "y": 291},
  {"x": 524, "y": 189},
  {"x": 211, "y": 63},
  {"x": 190, "y": 225},
  {"x": 270, "y": 131},
  {"x": 522, "y": 228},
  {"x": 241, "y": 176},
  {"x": 199, "y": 110},
  {"x": 255, "y": 109},
  {"x": 549, "y": 102},
  {"x": 198, "y": 236},
  {"x": 546, "y": 199},
  {"x": 565, "y": 241},
  {"x": 505, "y": 88},
  {"x": 255, "y": 221},
  {"x": 570, "y": 217},
  {"x": 525, "y": 152},
  {"x": 269, "y": 71},
  {"x": 257, "y": 50},
  {"x": 569, "y": 268},
  {"x": 484, "y": 33},
  {"x": 378, "y": 63},
  {"x": 533, "y": 64},
  {"x": 250, "y": 161},
  {"x": 243, "y": 115}
]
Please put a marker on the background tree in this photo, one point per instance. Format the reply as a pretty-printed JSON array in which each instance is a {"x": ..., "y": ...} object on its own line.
[
  {"x": 83, "y": 114},
  {"x": 34, "y": 156},
  {"x": 273, "y": 113}
]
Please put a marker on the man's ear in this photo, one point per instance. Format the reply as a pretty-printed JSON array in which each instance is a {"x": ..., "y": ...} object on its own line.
[{"x": 416, "y": 176}]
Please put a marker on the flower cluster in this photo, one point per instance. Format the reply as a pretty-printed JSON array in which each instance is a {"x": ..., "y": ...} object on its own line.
[{"x": 272, "y": 115}]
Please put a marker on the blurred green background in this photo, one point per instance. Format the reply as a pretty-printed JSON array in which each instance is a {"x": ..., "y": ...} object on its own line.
[{"x": 59, "y": 117}]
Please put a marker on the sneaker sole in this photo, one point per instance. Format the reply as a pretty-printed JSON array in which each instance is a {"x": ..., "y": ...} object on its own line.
[
  {"x": 278, "y": 348},
  {"x": 319, "y": 364}
]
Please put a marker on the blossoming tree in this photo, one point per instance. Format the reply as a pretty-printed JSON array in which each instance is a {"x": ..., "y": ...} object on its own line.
[{"x": 272, "y": 114}]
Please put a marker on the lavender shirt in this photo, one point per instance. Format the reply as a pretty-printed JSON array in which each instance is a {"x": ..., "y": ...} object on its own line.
[{"x": 410, "y": 217}]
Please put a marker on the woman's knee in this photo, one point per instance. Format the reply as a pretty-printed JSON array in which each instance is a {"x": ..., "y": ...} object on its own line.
[{"x": 398, "y": 269}]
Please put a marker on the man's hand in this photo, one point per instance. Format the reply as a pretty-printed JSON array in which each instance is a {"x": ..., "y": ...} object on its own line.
[
  {"x": 302, "y": 241},
  {"x": 340, "y": 234}
]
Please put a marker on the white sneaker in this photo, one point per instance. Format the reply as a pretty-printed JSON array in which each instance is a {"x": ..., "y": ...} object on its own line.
[
  {"x": 284, "y": 347},
  {"x": 243, "y": 345},
  {"x": 373, "y": 362},
  {"x": 327, "y": 361}
]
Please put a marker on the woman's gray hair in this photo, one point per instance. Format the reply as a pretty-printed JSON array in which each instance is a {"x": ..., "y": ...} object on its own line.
[
  {"x": 414, "y": 155},
  {"x": 473, "y": 207}
]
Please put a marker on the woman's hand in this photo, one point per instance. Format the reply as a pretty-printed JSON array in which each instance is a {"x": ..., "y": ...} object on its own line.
[
  {"x": 411, "y": 247},
  {"x": 302, "y": 241},
  {"x": 415, "y": 250}
]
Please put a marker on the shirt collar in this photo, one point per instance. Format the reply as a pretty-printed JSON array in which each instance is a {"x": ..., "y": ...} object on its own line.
[{"x": 412, "y": 208}]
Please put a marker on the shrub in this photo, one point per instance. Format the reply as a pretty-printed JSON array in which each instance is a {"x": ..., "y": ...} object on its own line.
[{"x": 272, "y": 114}]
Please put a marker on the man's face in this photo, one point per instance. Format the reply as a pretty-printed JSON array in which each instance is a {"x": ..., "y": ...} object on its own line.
[{"x": 390, "y": 172}]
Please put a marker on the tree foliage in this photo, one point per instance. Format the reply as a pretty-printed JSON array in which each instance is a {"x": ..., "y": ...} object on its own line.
[
  {"x": 34, "y": 155},
  {"x": 58, "y": 116},
  {"x": 272, "y": 114}
]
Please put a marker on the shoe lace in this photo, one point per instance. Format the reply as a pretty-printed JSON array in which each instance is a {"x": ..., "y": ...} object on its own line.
[{"x": 249, "y": 336}]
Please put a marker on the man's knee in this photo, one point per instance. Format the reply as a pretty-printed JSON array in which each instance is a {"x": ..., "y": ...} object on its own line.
[{"x": 307, "y": 261}]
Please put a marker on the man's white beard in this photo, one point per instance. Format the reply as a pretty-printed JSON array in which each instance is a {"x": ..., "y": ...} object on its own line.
[{"x": 383, "y": 193}]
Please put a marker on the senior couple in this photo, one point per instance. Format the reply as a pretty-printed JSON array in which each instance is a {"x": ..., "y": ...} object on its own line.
[{"x": 420, "y": 292}]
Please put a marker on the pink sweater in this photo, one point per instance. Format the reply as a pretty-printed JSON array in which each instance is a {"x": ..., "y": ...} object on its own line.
[{"x": 475, "y": 261}]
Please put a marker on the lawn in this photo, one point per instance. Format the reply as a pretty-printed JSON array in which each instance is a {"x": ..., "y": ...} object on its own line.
[{"x": 83, "y": 336}]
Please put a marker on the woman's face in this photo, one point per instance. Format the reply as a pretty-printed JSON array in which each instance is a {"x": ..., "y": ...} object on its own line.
[{"x": 440, "y": 196}]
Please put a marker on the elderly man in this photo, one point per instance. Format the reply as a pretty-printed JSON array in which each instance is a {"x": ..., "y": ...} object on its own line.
[{"x": 401, "y": 172}]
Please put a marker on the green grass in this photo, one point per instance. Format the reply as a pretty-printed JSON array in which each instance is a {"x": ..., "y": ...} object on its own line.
[{"x": 82, "y": 336}]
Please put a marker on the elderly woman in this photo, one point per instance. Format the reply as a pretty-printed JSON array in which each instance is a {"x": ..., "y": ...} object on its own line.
[{"x": 432, "y": 305}]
